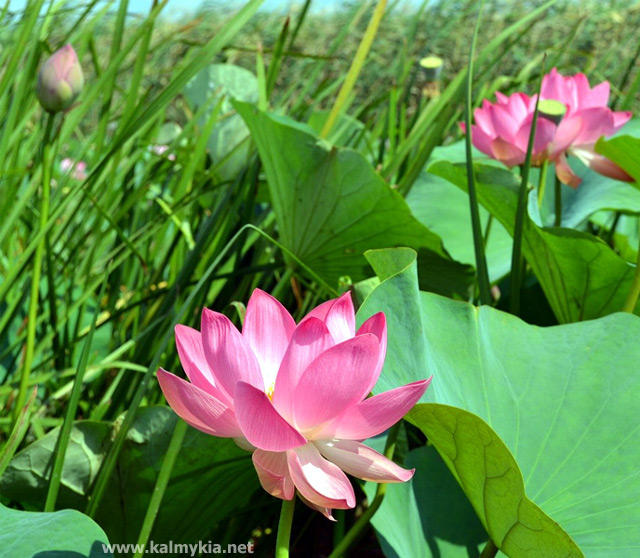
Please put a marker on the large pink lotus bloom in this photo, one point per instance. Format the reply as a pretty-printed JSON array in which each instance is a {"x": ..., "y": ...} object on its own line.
[
  {"x": 587, "y": 118},
  {"x": 294, "y": 395}
]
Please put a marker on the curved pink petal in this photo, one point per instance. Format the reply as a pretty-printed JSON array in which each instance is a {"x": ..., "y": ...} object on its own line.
[
  {"x": 260, "y": 422},
  {"x": 228, "y": 354},
  {"x": 324, "y": 511},
  {"x": 309, "y": 339},
  {"x": 565, "y": 174},
  {"x": 545, "y": 132},
  {"x": 507, "y": 153},
  {"x": 375, "y": 414},
  {"x": 267, "y": 329},
  {"x": 483, "y": 119},
  {"x": 318, "y": 480},
  {"x": 554, "y": 87},
  {"x": 600, "y": 164},
  {"x": 596, "y": 122},
  {"x": 363, "y": 462},
  {"x": 191, "y": 353},
  {"x": 273, "y": 473},
  {"x": 481, "y": 140},
  {"x": 336, "y": 379},
  {"x": 197, "y": 408},
  {"x": 376, "y": 324},
  {"x": 620, "y": 118},
  {"x": 566, "y": 133},
  {"x": 518, "y": 106},
  {"x": 504, "y": 122},
  {"x": 596, "y": 97},
  {"x": 339, "y": 316}
]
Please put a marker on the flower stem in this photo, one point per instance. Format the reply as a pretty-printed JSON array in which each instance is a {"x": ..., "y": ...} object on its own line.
[
  {"x": 284, "y": 528},
  {"x": 37, "y": 269},
  {"x": 558, "y": 200},
  {"x": 632, "y": 297},
  {"x": 357, "y": 528},
  {"x": 542, "y": 181}
]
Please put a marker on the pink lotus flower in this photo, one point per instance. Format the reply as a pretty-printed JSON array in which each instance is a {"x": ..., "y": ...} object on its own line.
[
  {"x": 294, "y": 395},
  {"x": 502, "y": 129},
  {"x": 79, "y": 168},
  {"x": 587, "y": 118}
]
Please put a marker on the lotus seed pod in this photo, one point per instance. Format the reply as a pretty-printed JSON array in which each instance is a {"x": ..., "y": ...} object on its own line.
[
  {"x": 60, "y": 80},
  {"x": 432, "y": 67}
]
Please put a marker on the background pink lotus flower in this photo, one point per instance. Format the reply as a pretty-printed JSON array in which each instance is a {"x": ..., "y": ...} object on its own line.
[
  {"x": 502, "y": 129},
  {"x": 587, "y": 118},
  {"x": 294, "y": 395},
  {"x": 79, "y": 168}
]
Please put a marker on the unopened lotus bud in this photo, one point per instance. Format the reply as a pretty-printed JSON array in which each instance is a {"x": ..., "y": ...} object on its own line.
[
  {"x": 60, "y": 80},
  {"x": 432, "y": 67},
  {"x": 552, "y": 110}
]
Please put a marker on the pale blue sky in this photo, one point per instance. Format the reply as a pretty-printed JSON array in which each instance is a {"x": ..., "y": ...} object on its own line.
[{"x": 180, "y": 7}]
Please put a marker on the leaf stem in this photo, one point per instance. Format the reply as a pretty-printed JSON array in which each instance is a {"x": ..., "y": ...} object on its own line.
[
  {"x": 518, "y": 228},
  {"x": 478, "y": 241},
  {"x": 357, "y": 528},
  {"x": 634, "y": 292},
  {"x": 37, "y": 269},
  {"x": 284, "y": 528},
  {"x": 542, "y": 181},
  {"x": 558, "y": 201}
]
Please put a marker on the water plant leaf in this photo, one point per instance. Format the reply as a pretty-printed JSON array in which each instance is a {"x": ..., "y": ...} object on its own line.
[
  {"x": 211, "y": 479},
  {"x": 61, "y": 534},
  {"x": 331, "y": 206},
  {"x": 552, "y": 395},
  {"x": 582, "y": 277}
]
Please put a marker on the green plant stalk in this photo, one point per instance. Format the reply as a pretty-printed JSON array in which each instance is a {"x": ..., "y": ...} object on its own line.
[
  {"x": 342, "y": 103},
  {"x": 37, "y": 269},
  {"x": 175, "y": 444},
  {"x": 17, "y": 433},
  {"x": 490, "y": 550},
  {"x": 358, "y": 527},
  {"x": 518, "y": 228},
  {"x": 634, "y": 292},
  {"x": 65, "y": 431},
  {"x": 558, "y": 203},
  {"x": 476, "y": 225},
  {"x": 284, "y": 528},
  {"x": 542, "y": 181}
]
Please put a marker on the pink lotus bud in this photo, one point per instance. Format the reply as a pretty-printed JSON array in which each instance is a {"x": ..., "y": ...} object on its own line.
[{"x": 60, "y": 80}]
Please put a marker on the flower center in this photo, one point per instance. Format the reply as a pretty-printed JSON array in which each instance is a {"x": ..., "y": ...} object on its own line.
[{"x": 269, "y": 392}]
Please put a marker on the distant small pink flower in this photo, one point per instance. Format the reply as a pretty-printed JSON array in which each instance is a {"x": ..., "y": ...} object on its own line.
[
  {"x": 587, "y": 119},
  {"x": 294, "y": 395},
  {"x": 161, "y": 149},
  {"x": 502, "y": 129},
  {"x": 79, "y": 168}
]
